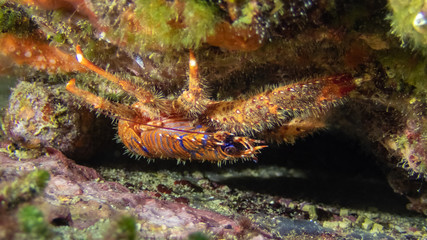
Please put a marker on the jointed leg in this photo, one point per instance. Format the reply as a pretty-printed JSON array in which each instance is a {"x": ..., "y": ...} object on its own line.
[
  {"x": 193, "y": 100},
  {"x": 194, "y": 85},
  {"x": 97, "y": 102},
  {"x": 141, "y": 94}
]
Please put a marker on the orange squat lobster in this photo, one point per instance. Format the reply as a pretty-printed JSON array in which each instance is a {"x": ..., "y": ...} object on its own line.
[{"x": 192, "y": 127}]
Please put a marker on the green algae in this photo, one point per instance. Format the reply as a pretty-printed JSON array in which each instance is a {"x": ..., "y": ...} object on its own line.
[
  {"x": 404, "y": 23},
  {"x": 406, "y": 71},
  {"x": 125, "y": 228},
  {"x": 33, "y": 224},
  {"x": 24, "y": 188},
  {"x": 198, "y": 236},
  {"x": 198, "y": 21},
  {"x": 13, "y": 19}
]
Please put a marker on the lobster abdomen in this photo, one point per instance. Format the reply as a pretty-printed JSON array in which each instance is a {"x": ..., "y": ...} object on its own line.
[{"x": 178, "y": 138}]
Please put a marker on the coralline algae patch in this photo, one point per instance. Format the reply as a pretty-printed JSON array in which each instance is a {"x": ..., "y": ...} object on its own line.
[{"x": 38, "y": 54}]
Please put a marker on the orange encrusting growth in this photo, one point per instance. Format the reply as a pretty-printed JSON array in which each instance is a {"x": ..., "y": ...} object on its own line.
[
  {"x": 234, "y": 38},
  {"x": 53, "y": 4},
  {"x": 73, "y": 6},
  {"x": 37, "y": 54},
  {"x": 296, "y": 128},
  {"x": 278, "y": 106}
]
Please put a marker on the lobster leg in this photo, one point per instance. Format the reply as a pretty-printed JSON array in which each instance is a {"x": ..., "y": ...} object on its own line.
[
  {"x": 141, "y": 94},
  {"x": 116, "y": 109},
  {"x": 193, "y": 101},
  {"x": 275, "y": 107},
  {"x": 147, "y": 100}
]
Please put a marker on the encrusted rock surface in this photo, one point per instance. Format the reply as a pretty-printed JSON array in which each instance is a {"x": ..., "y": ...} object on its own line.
[
  {"x": 165, "y": 201},
  {"x": 77, "y": 196}
]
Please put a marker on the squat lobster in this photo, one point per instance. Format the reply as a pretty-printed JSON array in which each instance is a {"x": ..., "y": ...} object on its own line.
[{"x": 192, "y": 127}]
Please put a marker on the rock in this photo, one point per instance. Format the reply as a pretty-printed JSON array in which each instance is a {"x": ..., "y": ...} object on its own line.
[{"x": 76, "y": 196}]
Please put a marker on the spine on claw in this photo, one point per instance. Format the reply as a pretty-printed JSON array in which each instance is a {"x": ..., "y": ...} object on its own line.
[{"x": 278, "y": 106}]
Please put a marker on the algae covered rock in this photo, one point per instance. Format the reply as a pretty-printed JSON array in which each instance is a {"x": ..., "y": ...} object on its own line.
[{"x": 39, "y": 116}]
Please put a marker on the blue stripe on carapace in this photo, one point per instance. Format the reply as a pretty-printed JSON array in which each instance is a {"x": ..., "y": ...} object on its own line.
[
  {"x": 166, "y": 148},
  {"x": 145, "y": 149},
  {"x": 173, "y": 148},
  {"x": 146, "y": 142},
  {"x": 173, "y": 145},
  {"x": 153, "y": 141},
  {"x": 156, "y": 143},
  {"x": 137, "y": 143},
  {"x": 132, "y": 148},
  {"x": 181, "y": 143},
  {"x": 134, "y": 143},
  {"x": 205, "y": 140},
  {"x": 194, "y": 153}
]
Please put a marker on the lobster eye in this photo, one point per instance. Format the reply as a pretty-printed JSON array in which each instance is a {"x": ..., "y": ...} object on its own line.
[{"x": 230, "y": 150}]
